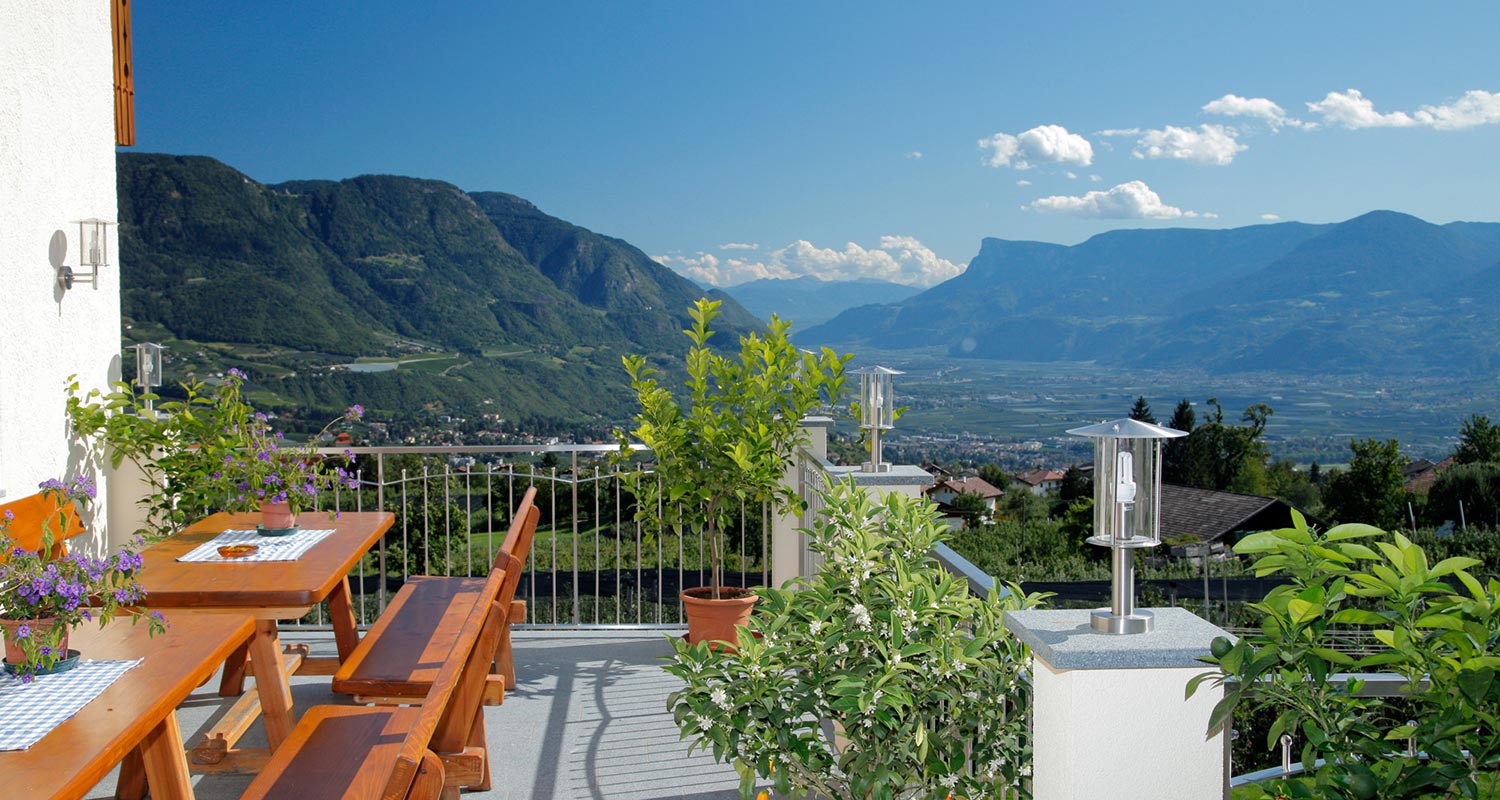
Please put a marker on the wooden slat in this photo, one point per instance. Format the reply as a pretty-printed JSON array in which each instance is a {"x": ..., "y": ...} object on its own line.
[
  {"x": 119, "y": 18},
  {"x": 404, "y": 650}
]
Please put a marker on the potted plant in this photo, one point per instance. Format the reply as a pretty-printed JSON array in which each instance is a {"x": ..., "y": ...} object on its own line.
[
  {"x": 208, "y": 452},
  {"x": 730, "y": 442},
  {"x": 881, "y": 676},
  {"x": 45, "y": 592}
]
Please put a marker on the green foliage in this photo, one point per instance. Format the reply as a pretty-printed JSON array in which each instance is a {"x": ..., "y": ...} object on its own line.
[
  {"x": 972, "y": 506},
  {"x": 209, "y": 452},
  {"x": 1078, "y": 485},
  {"x": 1479, "y": 441},
  {"x": 1429, "y": 630},
  {"x": 1142, "y": 410},
  {"x": 1474, "y": 485},
  {"x": 1021, "y": 505},
  {"x": 734, "y": 440},
  {"x": 1216, "y": 455},
  {"x": 881, "y": 677},
  {"x": 1372, "y": 487},
  {"x": 1285, "y": 481}
]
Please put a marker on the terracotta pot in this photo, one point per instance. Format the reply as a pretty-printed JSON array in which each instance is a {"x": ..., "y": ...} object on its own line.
[
  {"x": 277, "y": 516},
  {"x": 711, "y": 620},
  {"x": 39, "y": 627}
]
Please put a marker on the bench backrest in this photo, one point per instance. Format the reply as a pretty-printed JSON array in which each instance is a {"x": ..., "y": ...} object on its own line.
[
  {"x": 30, "y": 514},
  {"x": 522, "y": 530},
  {"x": 447, "y": 712}
]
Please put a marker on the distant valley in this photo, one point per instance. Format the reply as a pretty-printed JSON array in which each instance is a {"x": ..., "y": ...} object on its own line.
[
  {"x": 1383, "y": 293},
  {"x": 808, "y": 301},
  {"x": 423, "y": 301}
]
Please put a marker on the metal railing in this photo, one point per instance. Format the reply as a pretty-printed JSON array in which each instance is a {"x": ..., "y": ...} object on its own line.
[
  {"x": 591, "y": 564},
  {"x": 1373, "y": 684}
]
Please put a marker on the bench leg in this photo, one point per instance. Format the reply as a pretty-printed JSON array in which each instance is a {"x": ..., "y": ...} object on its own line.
[
  {"x": 132, "y": 782},
  {"x": 232, "y": 684},
  {"x": 477, "y": 739}
]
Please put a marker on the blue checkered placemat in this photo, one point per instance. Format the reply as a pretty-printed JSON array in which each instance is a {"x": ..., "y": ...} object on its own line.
[
  {"x": 29, "y": 711},
  {"x": 272, "y": 548}
]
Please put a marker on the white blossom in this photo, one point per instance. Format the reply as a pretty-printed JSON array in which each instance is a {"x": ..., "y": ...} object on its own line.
[{"x": 720, "y": 697}]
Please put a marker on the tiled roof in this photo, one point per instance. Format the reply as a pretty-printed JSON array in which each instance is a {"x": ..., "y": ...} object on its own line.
[
  {"x": 1038, "y": 476},
  {"x": 971, "y": 485},
  {"x": 1189, "y": 514}
]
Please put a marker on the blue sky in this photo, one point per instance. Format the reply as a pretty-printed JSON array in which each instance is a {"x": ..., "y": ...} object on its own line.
[{"x": 838, "y": 139}]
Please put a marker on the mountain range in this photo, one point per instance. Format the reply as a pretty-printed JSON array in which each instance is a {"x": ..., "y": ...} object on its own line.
[
  {"x": 809, "y": 300},
  {"x": 1383, "y": 293},
  {"x": 289, "y": 281}
]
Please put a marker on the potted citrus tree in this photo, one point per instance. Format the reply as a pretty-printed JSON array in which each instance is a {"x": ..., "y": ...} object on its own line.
[{"x": 728, "y": 442}]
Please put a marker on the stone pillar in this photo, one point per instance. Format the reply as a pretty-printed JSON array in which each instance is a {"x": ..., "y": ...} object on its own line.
[
  {"x": 786, "y": 546},
  {"x": 1109, "y": 716}
]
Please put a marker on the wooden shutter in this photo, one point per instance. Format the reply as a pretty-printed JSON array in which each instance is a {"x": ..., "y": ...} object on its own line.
[{"x": 124, "y": 74}]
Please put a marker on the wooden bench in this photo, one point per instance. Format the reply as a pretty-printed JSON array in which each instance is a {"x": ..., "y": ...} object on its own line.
[
  {"x": 395, "y": 661},
  {"x": 420, "y": 752}
]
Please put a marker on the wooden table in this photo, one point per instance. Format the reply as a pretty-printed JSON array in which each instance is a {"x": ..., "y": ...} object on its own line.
[
  {"x": 268, "y": 591},
  {"x": 135, "y": 714}
]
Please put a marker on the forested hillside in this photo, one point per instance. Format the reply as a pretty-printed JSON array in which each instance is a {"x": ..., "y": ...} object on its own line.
[{"x": 447, "y": 299}]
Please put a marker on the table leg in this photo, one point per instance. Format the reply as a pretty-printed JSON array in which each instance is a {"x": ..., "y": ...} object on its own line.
[
  {"x": 271, "y": 682},
  {"x": 131, "y": 784},
  {"x": 165, "y": 763},
  {"x": 341, "y": 614},
  {"x": 232, "y": 684}
]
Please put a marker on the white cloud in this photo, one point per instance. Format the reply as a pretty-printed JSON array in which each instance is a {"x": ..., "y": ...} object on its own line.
[
  {"x": 1118, "y": 132},
  {"x": 1130, "y": 200},
  {"x": 1095, "y": 178},
  {"x": 1270, "y": 217},
  {"x": 915, "y": 155},
  {"x": 1051, "y": 144},
  {"x": 1209, "y": 144},
  {"x": 740, "y": 246},
  {"x": 1477, "y": 107},
  {"x": 1232, "y": 105},
  {"x": 1352, "y": 110},
  {"x": 1072, "y": 176},
  {"x": 899, "y": 259},
  {"x": 1023, "y": 182}
]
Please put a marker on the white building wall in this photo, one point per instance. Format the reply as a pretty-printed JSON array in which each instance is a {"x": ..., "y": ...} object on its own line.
[{"x": 57, "y": 165}]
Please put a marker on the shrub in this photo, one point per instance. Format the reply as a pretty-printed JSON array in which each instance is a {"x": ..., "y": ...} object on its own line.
[{"x": 881, "y": 677}]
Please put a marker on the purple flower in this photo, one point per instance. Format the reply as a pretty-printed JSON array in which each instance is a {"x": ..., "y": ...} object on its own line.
[
  {"x": 234, "y": 372},
  {"x": 355, "y": 411},
  {"x": 45, "y": 651},
  {"x": 10, "y": 514},
  {"x": 27, "y": 677},
  {"x": 23, "y": 631},
  {"x": 52, "y": 484}
]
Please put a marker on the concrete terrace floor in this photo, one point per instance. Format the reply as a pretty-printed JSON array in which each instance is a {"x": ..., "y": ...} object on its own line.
[{"x": 588, "y": 719}]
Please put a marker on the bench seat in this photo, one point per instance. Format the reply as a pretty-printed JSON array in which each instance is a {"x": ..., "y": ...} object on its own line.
[{"x": 403, "y": 651}]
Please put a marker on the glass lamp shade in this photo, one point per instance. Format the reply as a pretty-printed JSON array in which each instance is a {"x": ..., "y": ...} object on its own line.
[
  {"x": 877, "y": 407},
  {"x": 148, "y": 364},
  {"x": 1127, "y": 481}
]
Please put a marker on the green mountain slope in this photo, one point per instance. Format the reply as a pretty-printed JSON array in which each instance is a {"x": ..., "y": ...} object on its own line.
[{"x": 467, "y": 299}]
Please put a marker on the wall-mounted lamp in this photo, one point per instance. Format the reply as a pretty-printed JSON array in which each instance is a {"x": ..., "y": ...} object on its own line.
[
  {"x": 877, "y": 410},
  {"x": 93, "y": 253},
  {"x": 1127, "y": 510}
]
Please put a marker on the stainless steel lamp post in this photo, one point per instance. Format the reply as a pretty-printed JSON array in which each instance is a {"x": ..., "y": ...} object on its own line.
[
  {"x": 877, "y": 410},
  {"x": 148, "y": 364},
  {"x": 1127, "y": 510}
]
